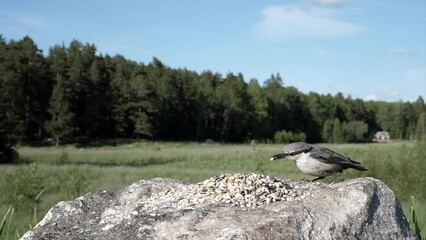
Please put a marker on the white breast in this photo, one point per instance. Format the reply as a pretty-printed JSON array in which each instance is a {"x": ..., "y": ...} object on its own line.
[{"x": 313, "y": 167}]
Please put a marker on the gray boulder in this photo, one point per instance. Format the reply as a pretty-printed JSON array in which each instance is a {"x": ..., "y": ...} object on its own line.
[{"x": 231, "y": 206}]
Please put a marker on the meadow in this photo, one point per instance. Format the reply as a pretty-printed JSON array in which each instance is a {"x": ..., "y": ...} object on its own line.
[{"x": 47, "y": 175}]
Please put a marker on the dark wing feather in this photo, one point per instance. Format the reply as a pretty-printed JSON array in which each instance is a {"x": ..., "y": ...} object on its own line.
[{"x": 326, "y": 155}]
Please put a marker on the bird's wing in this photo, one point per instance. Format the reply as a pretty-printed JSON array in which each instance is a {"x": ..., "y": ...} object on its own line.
[{"x": 326, "y": 155}]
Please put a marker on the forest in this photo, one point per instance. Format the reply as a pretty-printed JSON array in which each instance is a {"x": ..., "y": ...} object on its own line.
[{"x": 73, "y": 94}]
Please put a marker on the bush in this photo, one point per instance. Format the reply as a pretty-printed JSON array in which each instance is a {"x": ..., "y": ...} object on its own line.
[
  {"x": 287, "y": 137},
  {"x": 356, "y": 131},
  {"x": 8, "y": 154},
  {"x": 335, "y": 131},
  {"x": 7, "y": 136},
  {"x": 25, "y": 187}
]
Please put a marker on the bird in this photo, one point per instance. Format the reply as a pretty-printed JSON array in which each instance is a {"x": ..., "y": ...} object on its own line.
[{"x": 316, "y": 160}]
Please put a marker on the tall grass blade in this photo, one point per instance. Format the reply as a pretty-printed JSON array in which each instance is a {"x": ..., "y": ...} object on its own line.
[
  {"x": 10, "y": 218},
  {"x": 40, "y": 193},
  {"x": 3, "y": 222},
  {"x": 414, "y": 224}
]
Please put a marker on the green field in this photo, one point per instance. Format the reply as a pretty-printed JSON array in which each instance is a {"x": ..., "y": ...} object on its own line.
[{"x": 50, "y": 175}]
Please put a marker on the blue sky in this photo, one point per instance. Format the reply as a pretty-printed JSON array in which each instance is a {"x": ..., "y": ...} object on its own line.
[{"x": 367, "y": 49}]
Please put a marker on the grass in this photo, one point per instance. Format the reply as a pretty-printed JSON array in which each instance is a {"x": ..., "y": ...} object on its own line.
[
  {"x": 414, "y": 223},
  {"x": 57, "y": 174}
]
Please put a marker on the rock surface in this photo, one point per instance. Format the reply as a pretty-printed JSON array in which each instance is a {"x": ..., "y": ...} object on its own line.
[{"x": 231, "y": 206}]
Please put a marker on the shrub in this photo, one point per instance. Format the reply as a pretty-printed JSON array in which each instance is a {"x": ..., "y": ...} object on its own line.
[
  {"x": 27, "y": 186},
  {"x": 287, "y": 137},
  {"x": 7, "y": 154},
  {"x": 356, "y": 131}
]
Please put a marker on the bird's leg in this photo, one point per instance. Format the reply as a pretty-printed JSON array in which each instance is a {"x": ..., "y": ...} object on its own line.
[{"x": 318, "y": 178}]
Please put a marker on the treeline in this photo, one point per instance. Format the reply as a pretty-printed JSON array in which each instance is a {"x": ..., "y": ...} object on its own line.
[{"x": 75, "y": 94}]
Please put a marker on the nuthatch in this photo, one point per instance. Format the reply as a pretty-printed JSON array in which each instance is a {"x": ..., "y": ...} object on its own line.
[{"x": 316, "y": 160}]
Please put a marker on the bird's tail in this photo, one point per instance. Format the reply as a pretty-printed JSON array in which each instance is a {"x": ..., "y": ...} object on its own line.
[{"x": 357, "y": 165}]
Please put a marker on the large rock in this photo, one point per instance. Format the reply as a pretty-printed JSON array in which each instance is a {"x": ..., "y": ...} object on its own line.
[{"x": 232, "y": 206}]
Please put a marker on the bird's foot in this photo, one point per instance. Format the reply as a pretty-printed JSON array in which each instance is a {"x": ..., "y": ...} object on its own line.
[{"x": 318, "y": 178}]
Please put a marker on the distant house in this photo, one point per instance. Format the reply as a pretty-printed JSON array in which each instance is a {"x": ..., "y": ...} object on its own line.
[{"x": 381, "y": 136}]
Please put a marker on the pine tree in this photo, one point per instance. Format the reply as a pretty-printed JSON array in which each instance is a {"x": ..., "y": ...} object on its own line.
[
  {"x": 7, "y": 138},
  {"x": 120, "y": 91},
  {"x": 421, "y": 126},
  {"x": 97, "y": 119},
  {"x": 26, "y": 88},
  {"x": 338, "y": 131},
  {"x": 208, "y": 113},
  {"x": 277, "y": 110},
  {"x": 259, "y": 111},
  {"x": 234, "y": 100},
  {"x": 38, "y": 88},
  {"x": 60, "y": 127},
  {"x": 141, "y": 107}
]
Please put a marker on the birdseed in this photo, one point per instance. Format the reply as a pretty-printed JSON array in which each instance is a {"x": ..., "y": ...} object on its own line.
[{"x": 244, "y": 190}]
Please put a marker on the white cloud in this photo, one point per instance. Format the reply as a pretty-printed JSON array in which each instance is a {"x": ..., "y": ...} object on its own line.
[
  {"x": 329, "y": 2},
  {"x": 389, "y": 92},
  {"x": 384, "y": 93},
  {"x": 24, "y": 22},
  {"x": 399, "y": 51},
  {"x": 293, "y": 22},
  {"x": 371, "y": 97}
]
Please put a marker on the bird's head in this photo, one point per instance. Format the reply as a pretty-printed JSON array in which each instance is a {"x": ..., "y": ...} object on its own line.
[
  {"x": 282, "y": 155},
  {"x": 292, "y": 151}
]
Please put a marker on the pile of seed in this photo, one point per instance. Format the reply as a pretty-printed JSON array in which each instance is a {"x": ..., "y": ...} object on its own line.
[{"x": 245, "y": 190}]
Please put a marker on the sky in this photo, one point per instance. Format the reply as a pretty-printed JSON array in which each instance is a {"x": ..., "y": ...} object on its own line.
[{"x": 368, "y": 49}]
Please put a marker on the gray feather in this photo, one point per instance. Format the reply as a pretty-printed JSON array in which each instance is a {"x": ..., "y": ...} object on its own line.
[
  {"x": 316, "y": 160},
  {"x": 326, "y": 155},
  {"x": 296, "y": 148}
]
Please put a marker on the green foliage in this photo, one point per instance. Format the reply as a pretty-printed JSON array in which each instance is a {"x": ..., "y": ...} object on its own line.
[
  {"x": 421, "y": 126},
  {"x": 25, "y": 188},
  {"x": 259, "y": 113},
  {"x": 75, "y": 95},
  {"x": 75, "y": 183},
  {"x": 60, "y": 126},
  {"x": 339, "y": 132},
  {"x": 414, "y": 223},
  {"x": 284, "y": 136},
  {"x": 6, "y": 221},
  {"x": 25, "y": 88},
  {"x": 335, "y": 131},
  {"x": 257, "y": 157},
  {"x": 63, "y": 159},
  {"x": 356, "y": 131},
  {"x": 7, "y": 137},
  {"x": 7, "y": 153},
  {"x": 28, "y": 190},
  {"x": 327, "y": 131}
]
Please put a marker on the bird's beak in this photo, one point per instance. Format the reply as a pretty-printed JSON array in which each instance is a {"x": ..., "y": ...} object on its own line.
[{"x": 277, "y": 156}]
